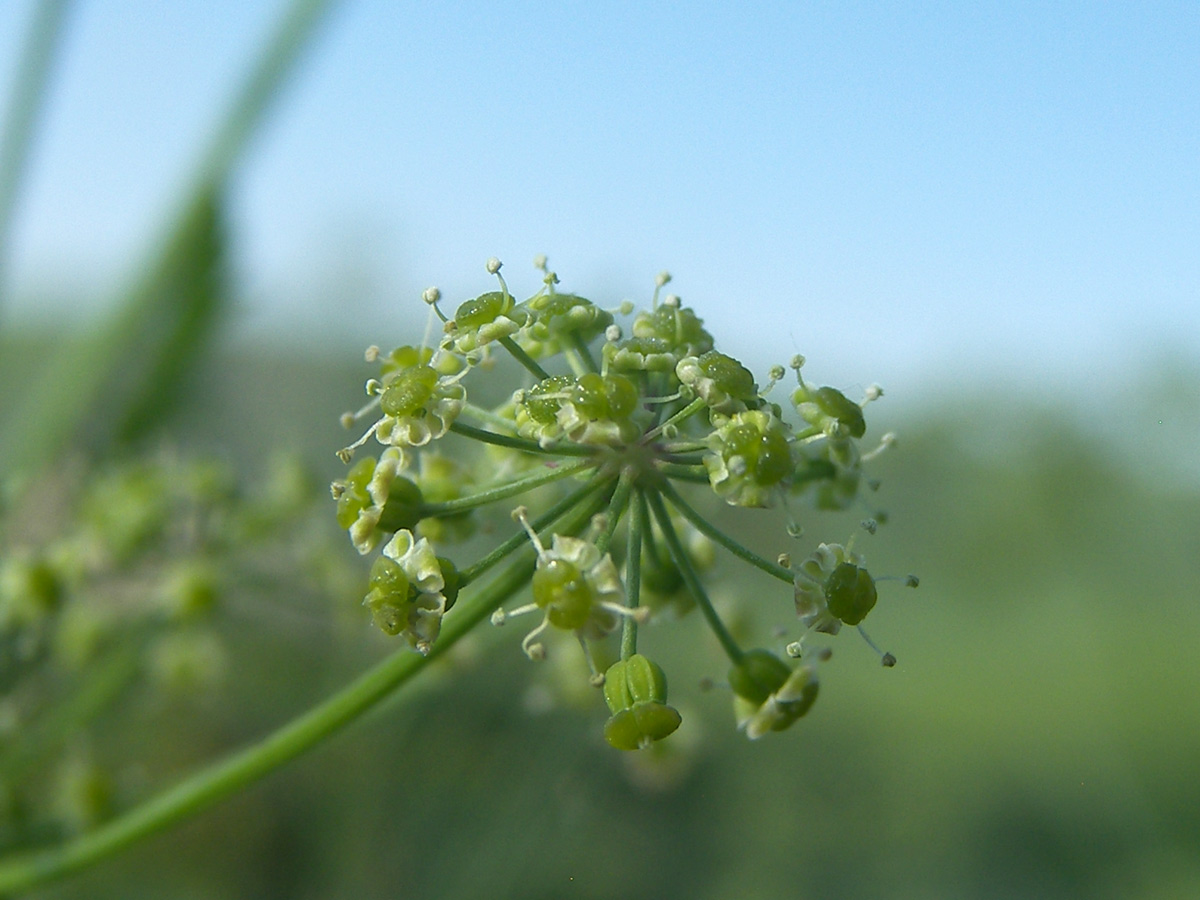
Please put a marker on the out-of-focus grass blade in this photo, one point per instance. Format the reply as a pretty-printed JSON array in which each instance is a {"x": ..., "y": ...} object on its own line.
[
  {"x": 27, "y": 101},
  {"x": 165, "y": 328},
  {"x": 103, "y": 388}
]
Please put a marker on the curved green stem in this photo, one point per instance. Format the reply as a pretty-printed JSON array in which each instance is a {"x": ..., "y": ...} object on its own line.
[
  {"x": 617, "y": 506},
  {"x": 518, "y": 443},
  {"x": 694, "y": 474},
  {"x": 520, "y": 538},
  {"x": 691, "y": 579},
  {"x": 585, "y": 353},
  {"x": 524, "y": 358},
  {"x": 506, "y": 490},
  {"x": 209, "y": 785},
  {"x": 680, "y": 415},
  {"x": 711, "y": 531}
]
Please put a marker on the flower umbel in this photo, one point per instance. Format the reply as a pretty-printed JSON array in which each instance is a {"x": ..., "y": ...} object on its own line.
[{"x": 605, "y": 430}]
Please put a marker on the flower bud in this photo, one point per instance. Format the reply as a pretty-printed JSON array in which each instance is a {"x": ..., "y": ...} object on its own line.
[{"x": 636, "y": 692}]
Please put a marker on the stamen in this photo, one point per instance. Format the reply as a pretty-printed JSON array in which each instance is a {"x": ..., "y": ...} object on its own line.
[
  {"x": 521, "y": 514},
  {"x": 887, "y": 659}
]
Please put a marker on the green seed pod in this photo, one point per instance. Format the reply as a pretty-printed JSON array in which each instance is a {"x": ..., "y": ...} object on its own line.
[
  {"x": 765, "y": 450},
  {"x": 483, "y": 310},
  {"x": 834, "y": 403},
  {"x": 641, "y": 725},
  {"x": 405, "y": 393},
  {"x": 560, "y": 588},
  {"x": 607, "y": 397},
  {"x": 404, "y": 505},
  {"x": 540, "y": 407},
  {"x": 354, "y": 497},
  {"x": 851, "y": 593},
  {"x": 388, "y": 580},
  {"x": 759, "y": 674},
  {"x": 634, "y": 680}
]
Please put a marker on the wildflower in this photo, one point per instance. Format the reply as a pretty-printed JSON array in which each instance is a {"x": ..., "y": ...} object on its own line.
[
  {"x": 411, "y": 589},
  {"x": 724, "y": 383},
  {"x": 768, "y": 695},
  {"x": 613, "y": 438},
  {"x": 751, "y": 459},
  {"x": 635, "y": 690},
  {"x": 833, "y": 587},
  {"x": 372, "y": 489}
]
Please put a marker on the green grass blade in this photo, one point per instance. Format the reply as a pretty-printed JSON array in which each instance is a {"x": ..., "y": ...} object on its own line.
[
  {"x": 25, "y": 104},
  {"x": 102, "y": 389}
]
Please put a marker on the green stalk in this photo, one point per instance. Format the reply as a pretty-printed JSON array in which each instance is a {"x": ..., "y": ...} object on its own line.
[
  {"x": 584, "y": 351},
  {"x": 221, "y": 779},
  {"x": 617, "y": 506},
  {"x": 524, "y": 358},
  {"x": 695, "y": 474},
  {"x": 692, "y": 579},
  {"x": 633, "y": 574},
  {"x": 711, "y": 531},
  {"x": 678, "y": 416},
  {"x": 24, "y": 106},
  {"x": 518, "y": 443},
  {"x": 519, "y": 538},
  {"x": 506, "y": 490}
]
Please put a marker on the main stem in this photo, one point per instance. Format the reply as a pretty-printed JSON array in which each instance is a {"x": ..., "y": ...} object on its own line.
[{"x": 224, "y": 778}]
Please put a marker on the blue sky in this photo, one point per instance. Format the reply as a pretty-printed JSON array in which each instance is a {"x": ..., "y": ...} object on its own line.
[{"x": 905, "y": 193}]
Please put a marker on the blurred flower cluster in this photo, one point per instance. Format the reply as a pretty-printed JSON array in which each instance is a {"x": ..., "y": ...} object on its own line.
[
  {"x": 612, "y": 422},
  {"x": 110, "y": 582}
]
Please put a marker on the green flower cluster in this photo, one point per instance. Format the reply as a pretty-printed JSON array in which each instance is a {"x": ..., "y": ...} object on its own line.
[
  {"x": 111, "y": 581},
  {"x": 616, "y": 415}
]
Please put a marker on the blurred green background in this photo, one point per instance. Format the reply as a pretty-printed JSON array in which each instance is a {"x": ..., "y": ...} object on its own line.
[{"x": 1040, "y": 737}]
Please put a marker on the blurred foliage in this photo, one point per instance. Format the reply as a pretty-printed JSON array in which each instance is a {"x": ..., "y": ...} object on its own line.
[{"x": 1039, "y": 738}]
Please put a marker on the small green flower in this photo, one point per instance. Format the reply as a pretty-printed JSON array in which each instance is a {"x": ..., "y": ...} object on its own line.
[
  {"x": 556, "y": 321},
  {"x": 833, "y": 587},
  {"x": 411, "y": 589},
  {"x": 721, "y": 381},
  {"x": 487, "y": 318},
  {"x": 599, "y": 410},
  {"x": 639, "y": 354},
  {"x": 375, "y": 499},
  {"x": 635, "y": 690},
  {"x": 768, "y": 694},
  {"x": 419, "y": 405},
  {"x": 751, "y": 459},
  {"x": 577, "y": 588},
  {"x": 680, "y": 329},
  {"x": 537, "y": 408}
]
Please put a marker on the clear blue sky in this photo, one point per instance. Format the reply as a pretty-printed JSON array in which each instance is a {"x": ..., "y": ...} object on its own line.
[{"x": 899, "y": 191}]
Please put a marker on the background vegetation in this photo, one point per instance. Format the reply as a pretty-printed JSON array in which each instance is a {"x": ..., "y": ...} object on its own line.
[{"x": 1039, "y": 738}]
